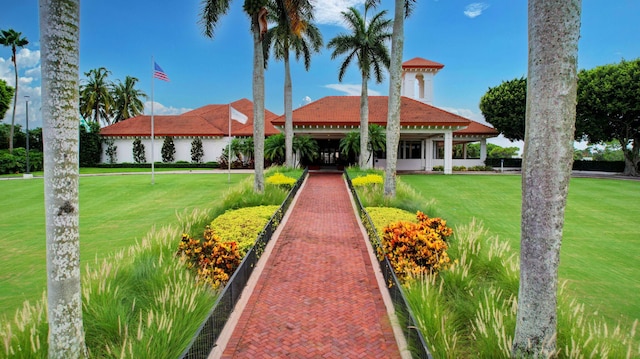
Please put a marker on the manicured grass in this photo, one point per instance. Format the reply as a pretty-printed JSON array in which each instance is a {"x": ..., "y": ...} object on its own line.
[
  {"x": 600, "y": 255},
  {"x": 115, "y": 211}
]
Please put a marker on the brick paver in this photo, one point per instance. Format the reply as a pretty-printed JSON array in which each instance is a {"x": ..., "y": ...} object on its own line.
[{"x": 317, "y": 296}]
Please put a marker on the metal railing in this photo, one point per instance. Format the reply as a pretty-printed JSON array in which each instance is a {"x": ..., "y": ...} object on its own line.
[
  {"x": 207, "y": 335},
  {"x": 413, "y": 335}
]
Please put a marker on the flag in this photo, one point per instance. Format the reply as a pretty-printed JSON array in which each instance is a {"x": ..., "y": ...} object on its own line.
[
  {"x": 238, "y": 116},
  {"x": 159, "y": 74}
]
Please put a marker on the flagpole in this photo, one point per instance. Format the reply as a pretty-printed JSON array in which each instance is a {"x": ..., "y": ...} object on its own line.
[
  {"x": 229, "y": 153},
  {"x": 152, "y": 124}
]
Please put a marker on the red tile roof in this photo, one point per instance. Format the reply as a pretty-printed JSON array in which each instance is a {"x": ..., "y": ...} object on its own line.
[
  {"x": 210, "y": 120},
  {"x": 420, "y": 63},
  {"x": 345, "y": 111},
  {"x": 476, "y": 128}
]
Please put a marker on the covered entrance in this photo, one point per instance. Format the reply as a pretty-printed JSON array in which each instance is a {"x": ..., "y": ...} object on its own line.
[{"x": 329, "y": 156}]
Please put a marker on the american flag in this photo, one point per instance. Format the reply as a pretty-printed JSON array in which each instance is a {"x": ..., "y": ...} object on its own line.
[{"x": 159, "y": 73}]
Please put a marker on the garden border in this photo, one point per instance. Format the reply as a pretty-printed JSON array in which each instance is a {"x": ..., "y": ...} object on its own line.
[
  {"x": 205, "y": 339},
  {"x": 416, "y": 343}
]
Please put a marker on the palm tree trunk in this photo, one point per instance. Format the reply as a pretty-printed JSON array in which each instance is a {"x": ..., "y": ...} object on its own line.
[
  {"x": 288, "y": 112},
  {"x": 15, "y": 101},
  {"x": 554, "y": 28},
  {"x": 364, "y": 124},
  {"x": 393, "y": 112},
  {"x": 258, "y": 106},
  {"x": 59, "y": 29}
]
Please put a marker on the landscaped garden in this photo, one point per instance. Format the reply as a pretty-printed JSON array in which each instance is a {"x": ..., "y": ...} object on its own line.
[
  {"x": 135, "y": 289},
  {"x": 468, "y": 309}
]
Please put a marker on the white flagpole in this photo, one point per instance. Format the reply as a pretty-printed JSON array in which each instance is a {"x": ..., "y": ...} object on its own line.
[
  {"x": 152, "y": 124},
  {"x": 229, "y": 153}
]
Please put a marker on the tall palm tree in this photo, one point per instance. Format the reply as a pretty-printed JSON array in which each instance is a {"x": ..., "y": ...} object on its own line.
[
  {"x": 59, "y": 24},
  {"x": 95, "y": 96},
  {"x": 554, "y": 29},
  {"x": 304, "y": 38},
  {"x": 366, "y": 44},
  {"x": 14, "y": 40},
  {"x": 402, "y": 9},
  {"x": 127, "y": 101},
  {"x": 212, "y": 10}
]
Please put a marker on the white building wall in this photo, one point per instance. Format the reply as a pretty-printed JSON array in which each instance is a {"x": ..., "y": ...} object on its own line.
[{"x": 212, "y": 147}]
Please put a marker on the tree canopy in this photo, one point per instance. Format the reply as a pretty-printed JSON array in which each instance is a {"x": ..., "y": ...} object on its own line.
[
  {"x": 6, "y": 93},
  {"x": 504, "y": 106},
  {"x": 609, "y": 108}
]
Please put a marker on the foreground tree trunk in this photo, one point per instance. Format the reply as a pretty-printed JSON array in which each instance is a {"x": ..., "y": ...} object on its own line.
[
  {"x": 393, "y": 112},
  {"x": 631, "y": 157},
  {"x": 59, "y": 29},
  {"x": 554, "y": 27},
  {"x": 258, "y": 105},
  {"x": 364, "y": 125}
]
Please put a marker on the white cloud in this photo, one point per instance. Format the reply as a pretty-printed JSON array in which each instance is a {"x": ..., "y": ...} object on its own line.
[
  {"x": 475, "y": 9},
  {"x": 351, "y": 89},
  {"x": 329, "y": 12},
  {"x": 160, "y": 109},
  {"x": 29, "y": 85},
  {"x": 466, "y": 113},
  {"x": 305, "y": 101}
]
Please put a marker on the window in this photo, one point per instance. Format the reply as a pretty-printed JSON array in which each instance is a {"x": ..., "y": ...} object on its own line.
[{"x": 410, "y": 150}]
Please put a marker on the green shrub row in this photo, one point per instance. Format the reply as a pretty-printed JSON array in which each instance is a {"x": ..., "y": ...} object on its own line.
[{"x": 17, "y": 162}]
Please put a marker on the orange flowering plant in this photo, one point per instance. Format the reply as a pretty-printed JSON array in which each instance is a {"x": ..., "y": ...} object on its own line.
[
  {"x": 213, "y": 260},
  {"x": 416, "y": 248}
]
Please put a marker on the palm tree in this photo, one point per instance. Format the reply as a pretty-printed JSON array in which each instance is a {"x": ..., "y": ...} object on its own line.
[
  {"x": 306, "y": 147},
  {"x": 95, "y": 96},
  {"x": 59, "y": 29},
  {"x": 12, "y": 39},
  {"x": 402, "y": 9},
  {"x": 367, "y": 44},
  {"x": 274, "y": 148},
  {"x": 126, "y": 98},
  {"x": 304, "y": 39},
  {"x": 350, "y": 144},
  {"x": 554, "y": 29}
]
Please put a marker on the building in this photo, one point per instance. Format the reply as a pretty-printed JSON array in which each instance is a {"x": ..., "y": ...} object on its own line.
[{"x": 427, "y": 135}]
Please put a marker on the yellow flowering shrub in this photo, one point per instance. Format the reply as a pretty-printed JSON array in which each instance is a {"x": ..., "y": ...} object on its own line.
[
  {"x": 416, "y": 248},
  {"x": 382, "y": 216},
  {"x": 243, "y": 225},
  {"x": 370, "y": 179},
  {"x": 279, "y": 179}
]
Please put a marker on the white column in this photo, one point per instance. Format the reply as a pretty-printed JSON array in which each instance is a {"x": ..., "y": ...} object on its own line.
[
  {"x": 408, "y": 85},
  {"x": 428, "y": 144},
  {"x": 448, "y": 152},
  {"x": 483, "y": 149}
]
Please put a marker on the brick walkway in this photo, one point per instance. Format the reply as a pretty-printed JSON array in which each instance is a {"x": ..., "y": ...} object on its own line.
[{"x": 317, "y": 296}]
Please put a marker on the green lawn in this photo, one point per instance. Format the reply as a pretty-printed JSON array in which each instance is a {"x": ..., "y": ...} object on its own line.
[
  {"x": 115, "y": 211},
  {"x": 600, "y": 255}
]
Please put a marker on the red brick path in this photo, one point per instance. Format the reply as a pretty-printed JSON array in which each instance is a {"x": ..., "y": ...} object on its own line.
[{"x": 317, "y": 296}]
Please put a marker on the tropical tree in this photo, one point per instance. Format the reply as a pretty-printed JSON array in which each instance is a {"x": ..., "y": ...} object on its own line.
[
  {"x": 554, "y": 29},
  {"x": 608, "y": 108},
  {"x": 13, "y": 39},
  {"x": 127, "y": 101},
  {"x": 306, "y": 147},
  {"x": 6, "y": 93},
  {"x": 59, "y": 40},
  {"x": 96, "y": 101},
  {"x": 350, "y": 143},
  {"x": 402, "y": 9},
  {"x": 303, "y": 39},
  {"x": 367, "y": 44},
  {"x": 504, "y": 107},
  {"x": 274, "y": 148},
  {"x": 211, "y": 12}
]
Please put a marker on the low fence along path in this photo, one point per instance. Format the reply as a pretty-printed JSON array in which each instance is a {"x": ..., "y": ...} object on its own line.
[{"x": 317, "y": 296}]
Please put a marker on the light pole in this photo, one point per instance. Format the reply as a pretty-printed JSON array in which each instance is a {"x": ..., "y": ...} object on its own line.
[{"x": 27, "y": 125}]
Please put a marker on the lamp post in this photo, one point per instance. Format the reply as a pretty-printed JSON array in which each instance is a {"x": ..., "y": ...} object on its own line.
[{"x": 27, "y": 125}]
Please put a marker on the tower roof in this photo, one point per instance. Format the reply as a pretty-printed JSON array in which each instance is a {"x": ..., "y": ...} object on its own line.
[{"x": 420, "y": 63}]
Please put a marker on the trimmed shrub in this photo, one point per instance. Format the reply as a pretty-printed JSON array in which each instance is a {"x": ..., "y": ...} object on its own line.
[
  {"x": 197, "y": 151},
  {"x": 139, "y": 155},
  {"x": 243, "y": 225},
  {"x": 418, "y": 248},
  {"x": 281, "y": 180},
  {"x": 168, "y": 150},
  {"x": 370, "y": 179}
]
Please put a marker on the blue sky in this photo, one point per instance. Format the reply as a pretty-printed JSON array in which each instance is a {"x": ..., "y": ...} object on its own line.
[{"x": 481, "y": 44}]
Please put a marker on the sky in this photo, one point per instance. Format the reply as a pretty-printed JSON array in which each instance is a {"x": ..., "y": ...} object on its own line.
[{"x": 481, "y": 44}]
